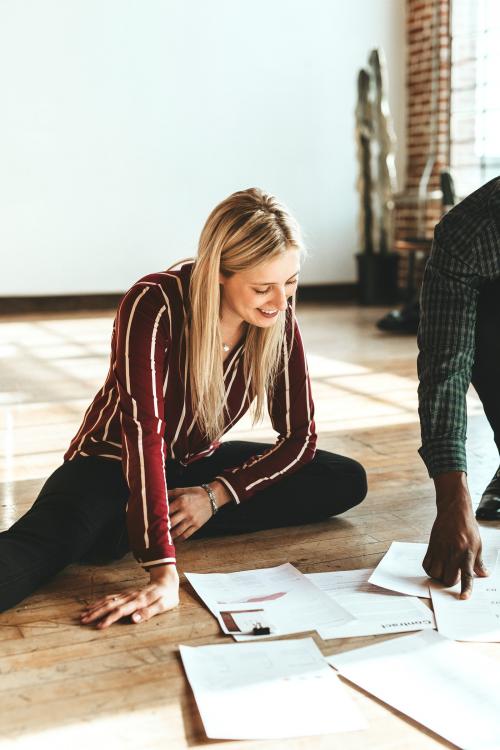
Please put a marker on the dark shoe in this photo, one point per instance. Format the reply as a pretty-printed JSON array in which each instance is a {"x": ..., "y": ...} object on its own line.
[
  {"x": 489, "y": 507},
  {"x": 405, "y": 320}
]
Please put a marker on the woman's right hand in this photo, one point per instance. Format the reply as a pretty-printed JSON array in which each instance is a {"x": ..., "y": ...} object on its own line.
[{"x": 160, "y": 595}]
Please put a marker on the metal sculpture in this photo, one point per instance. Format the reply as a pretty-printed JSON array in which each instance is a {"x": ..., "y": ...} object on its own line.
[
  {"x": 364, "y": 135},
  {"x": 376, "y": 146}
]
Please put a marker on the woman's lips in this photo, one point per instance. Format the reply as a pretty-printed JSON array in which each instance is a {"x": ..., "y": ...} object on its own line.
[{"x": 268, "y": 314}]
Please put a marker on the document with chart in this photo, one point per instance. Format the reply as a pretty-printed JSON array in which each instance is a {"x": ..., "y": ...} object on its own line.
[{"x": 280, "y": 600}]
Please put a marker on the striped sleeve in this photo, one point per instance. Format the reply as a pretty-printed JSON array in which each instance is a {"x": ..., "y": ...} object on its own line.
[
  {"x": 291, "y": 410},
  {"x": 141, "y": 344}
]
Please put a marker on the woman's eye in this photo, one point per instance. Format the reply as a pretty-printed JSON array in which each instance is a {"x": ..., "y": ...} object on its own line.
[{"x": 266, "y": 291}]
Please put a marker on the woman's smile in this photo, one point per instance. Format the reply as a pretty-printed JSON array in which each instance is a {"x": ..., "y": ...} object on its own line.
[{"x": 268, "y": 313}]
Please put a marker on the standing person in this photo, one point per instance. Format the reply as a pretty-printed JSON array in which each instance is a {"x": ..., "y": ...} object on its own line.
[
  {"x": 192, "y": 348},
  {"x": 459, "y": 343}
]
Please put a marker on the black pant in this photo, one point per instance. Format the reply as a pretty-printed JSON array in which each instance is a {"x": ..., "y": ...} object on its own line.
[
  {"x": 486, "y": 370},
  {"x": 79, "y": 515}
]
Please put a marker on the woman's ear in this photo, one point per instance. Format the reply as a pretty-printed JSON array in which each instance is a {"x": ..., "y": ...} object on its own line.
[{"x": 222, "y": 278}]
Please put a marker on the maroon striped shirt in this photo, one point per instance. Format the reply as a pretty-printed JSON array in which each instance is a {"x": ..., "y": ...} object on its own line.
[{"x": 142, "y": 415}]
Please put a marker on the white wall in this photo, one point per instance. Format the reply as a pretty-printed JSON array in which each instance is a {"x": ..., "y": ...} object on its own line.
[{"x": 123, "y": 122}]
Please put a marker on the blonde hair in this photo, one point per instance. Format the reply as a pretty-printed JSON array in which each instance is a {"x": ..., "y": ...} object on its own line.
[{"x": 246, "y": 229}]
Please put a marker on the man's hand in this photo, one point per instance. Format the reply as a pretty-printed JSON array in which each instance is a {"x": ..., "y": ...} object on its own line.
[
  {"x": 160, "y": 595},
  {"x": 455, "y": 551},
  {"x": 190, "y": 508}
]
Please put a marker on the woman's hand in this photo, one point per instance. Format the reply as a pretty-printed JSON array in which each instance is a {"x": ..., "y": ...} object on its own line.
[
  {"x": 190, "y": 508},
  {"x": 160, "y": 595}
]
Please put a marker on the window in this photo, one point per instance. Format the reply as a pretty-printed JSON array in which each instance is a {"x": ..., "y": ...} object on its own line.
[{"x": 475, "y": 93}]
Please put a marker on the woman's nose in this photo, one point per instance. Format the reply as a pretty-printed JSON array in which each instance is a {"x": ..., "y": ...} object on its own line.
[{"x": 280, "y": 299}]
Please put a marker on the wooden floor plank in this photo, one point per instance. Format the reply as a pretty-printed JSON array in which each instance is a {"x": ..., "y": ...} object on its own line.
[{"x": 68, "y": 685}]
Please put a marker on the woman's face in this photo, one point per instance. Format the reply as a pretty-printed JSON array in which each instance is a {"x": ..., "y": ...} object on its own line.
[{"x": 257, "y": 295}]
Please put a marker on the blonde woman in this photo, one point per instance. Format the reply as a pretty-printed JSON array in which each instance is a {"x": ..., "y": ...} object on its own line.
[{"x": 192, "y": 348}]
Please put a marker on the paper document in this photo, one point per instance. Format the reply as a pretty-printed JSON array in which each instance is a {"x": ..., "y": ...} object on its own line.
[
  {"x": 474, "y": 619},
  {"x": 401, "y": 568},
  {"x": 446, "y": 686},
  {"x": 268, "y": 690},
  {"x": 280, "y": 596},
  {"x": 490, "y": 538},
  {"x": 376, "y": 610}
]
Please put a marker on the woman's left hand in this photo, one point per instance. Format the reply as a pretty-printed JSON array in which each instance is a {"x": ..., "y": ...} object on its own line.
[
  {"x": 189, "y": 509},
  {"x": 160, "y": 595}
]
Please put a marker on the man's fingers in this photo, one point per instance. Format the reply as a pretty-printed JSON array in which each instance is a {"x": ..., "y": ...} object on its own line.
[
  {"x": 451, "y": 574},
  {"x": 480, "y": 568},
  {"x": 426, "y": 562},
  {"x": 466, "y": 587},
  {"x": 467, "y": 575},
  {"x": 435, "y": 570}
]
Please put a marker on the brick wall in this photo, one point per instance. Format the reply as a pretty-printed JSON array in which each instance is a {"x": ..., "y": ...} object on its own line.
[{"x": 421, "y": 18}]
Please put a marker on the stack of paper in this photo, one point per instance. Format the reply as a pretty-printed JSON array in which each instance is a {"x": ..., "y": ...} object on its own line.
[
  {"x": 401, "y": 568},
  {"x": 374, "y": 610},
  {"x": 268, "y": 690},
  {"x": 435, "y": 681},
  {"x": 281, "y": 598},
  {"x": 284, "y": 689},
  {"x": 475, "y": 619}
]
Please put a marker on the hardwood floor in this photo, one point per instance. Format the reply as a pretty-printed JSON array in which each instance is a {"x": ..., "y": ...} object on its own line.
[{"x": 71, "y": 686}]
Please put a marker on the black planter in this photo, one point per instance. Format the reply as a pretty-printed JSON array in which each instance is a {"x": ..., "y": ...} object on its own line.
[{"x": 377, "y": 278}]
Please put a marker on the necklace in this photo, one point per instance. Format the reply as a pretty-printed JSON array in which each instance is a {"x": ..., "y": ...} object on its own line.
[{"x": 227, "y": 347}]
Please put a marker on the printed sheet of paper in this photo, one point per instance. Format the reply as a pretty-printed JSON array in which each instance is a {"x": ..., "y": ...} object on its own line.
[
  {"x": 446, "y": 686},
  {"x": 474, "y": 619},
  {"x": 401, "y": 568},
  {"x": 281, "y": 596},
  {"x": 376, "y": 610},
  {"x": 491, "y": 540},
  {"x": 270, "y": 690}
]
